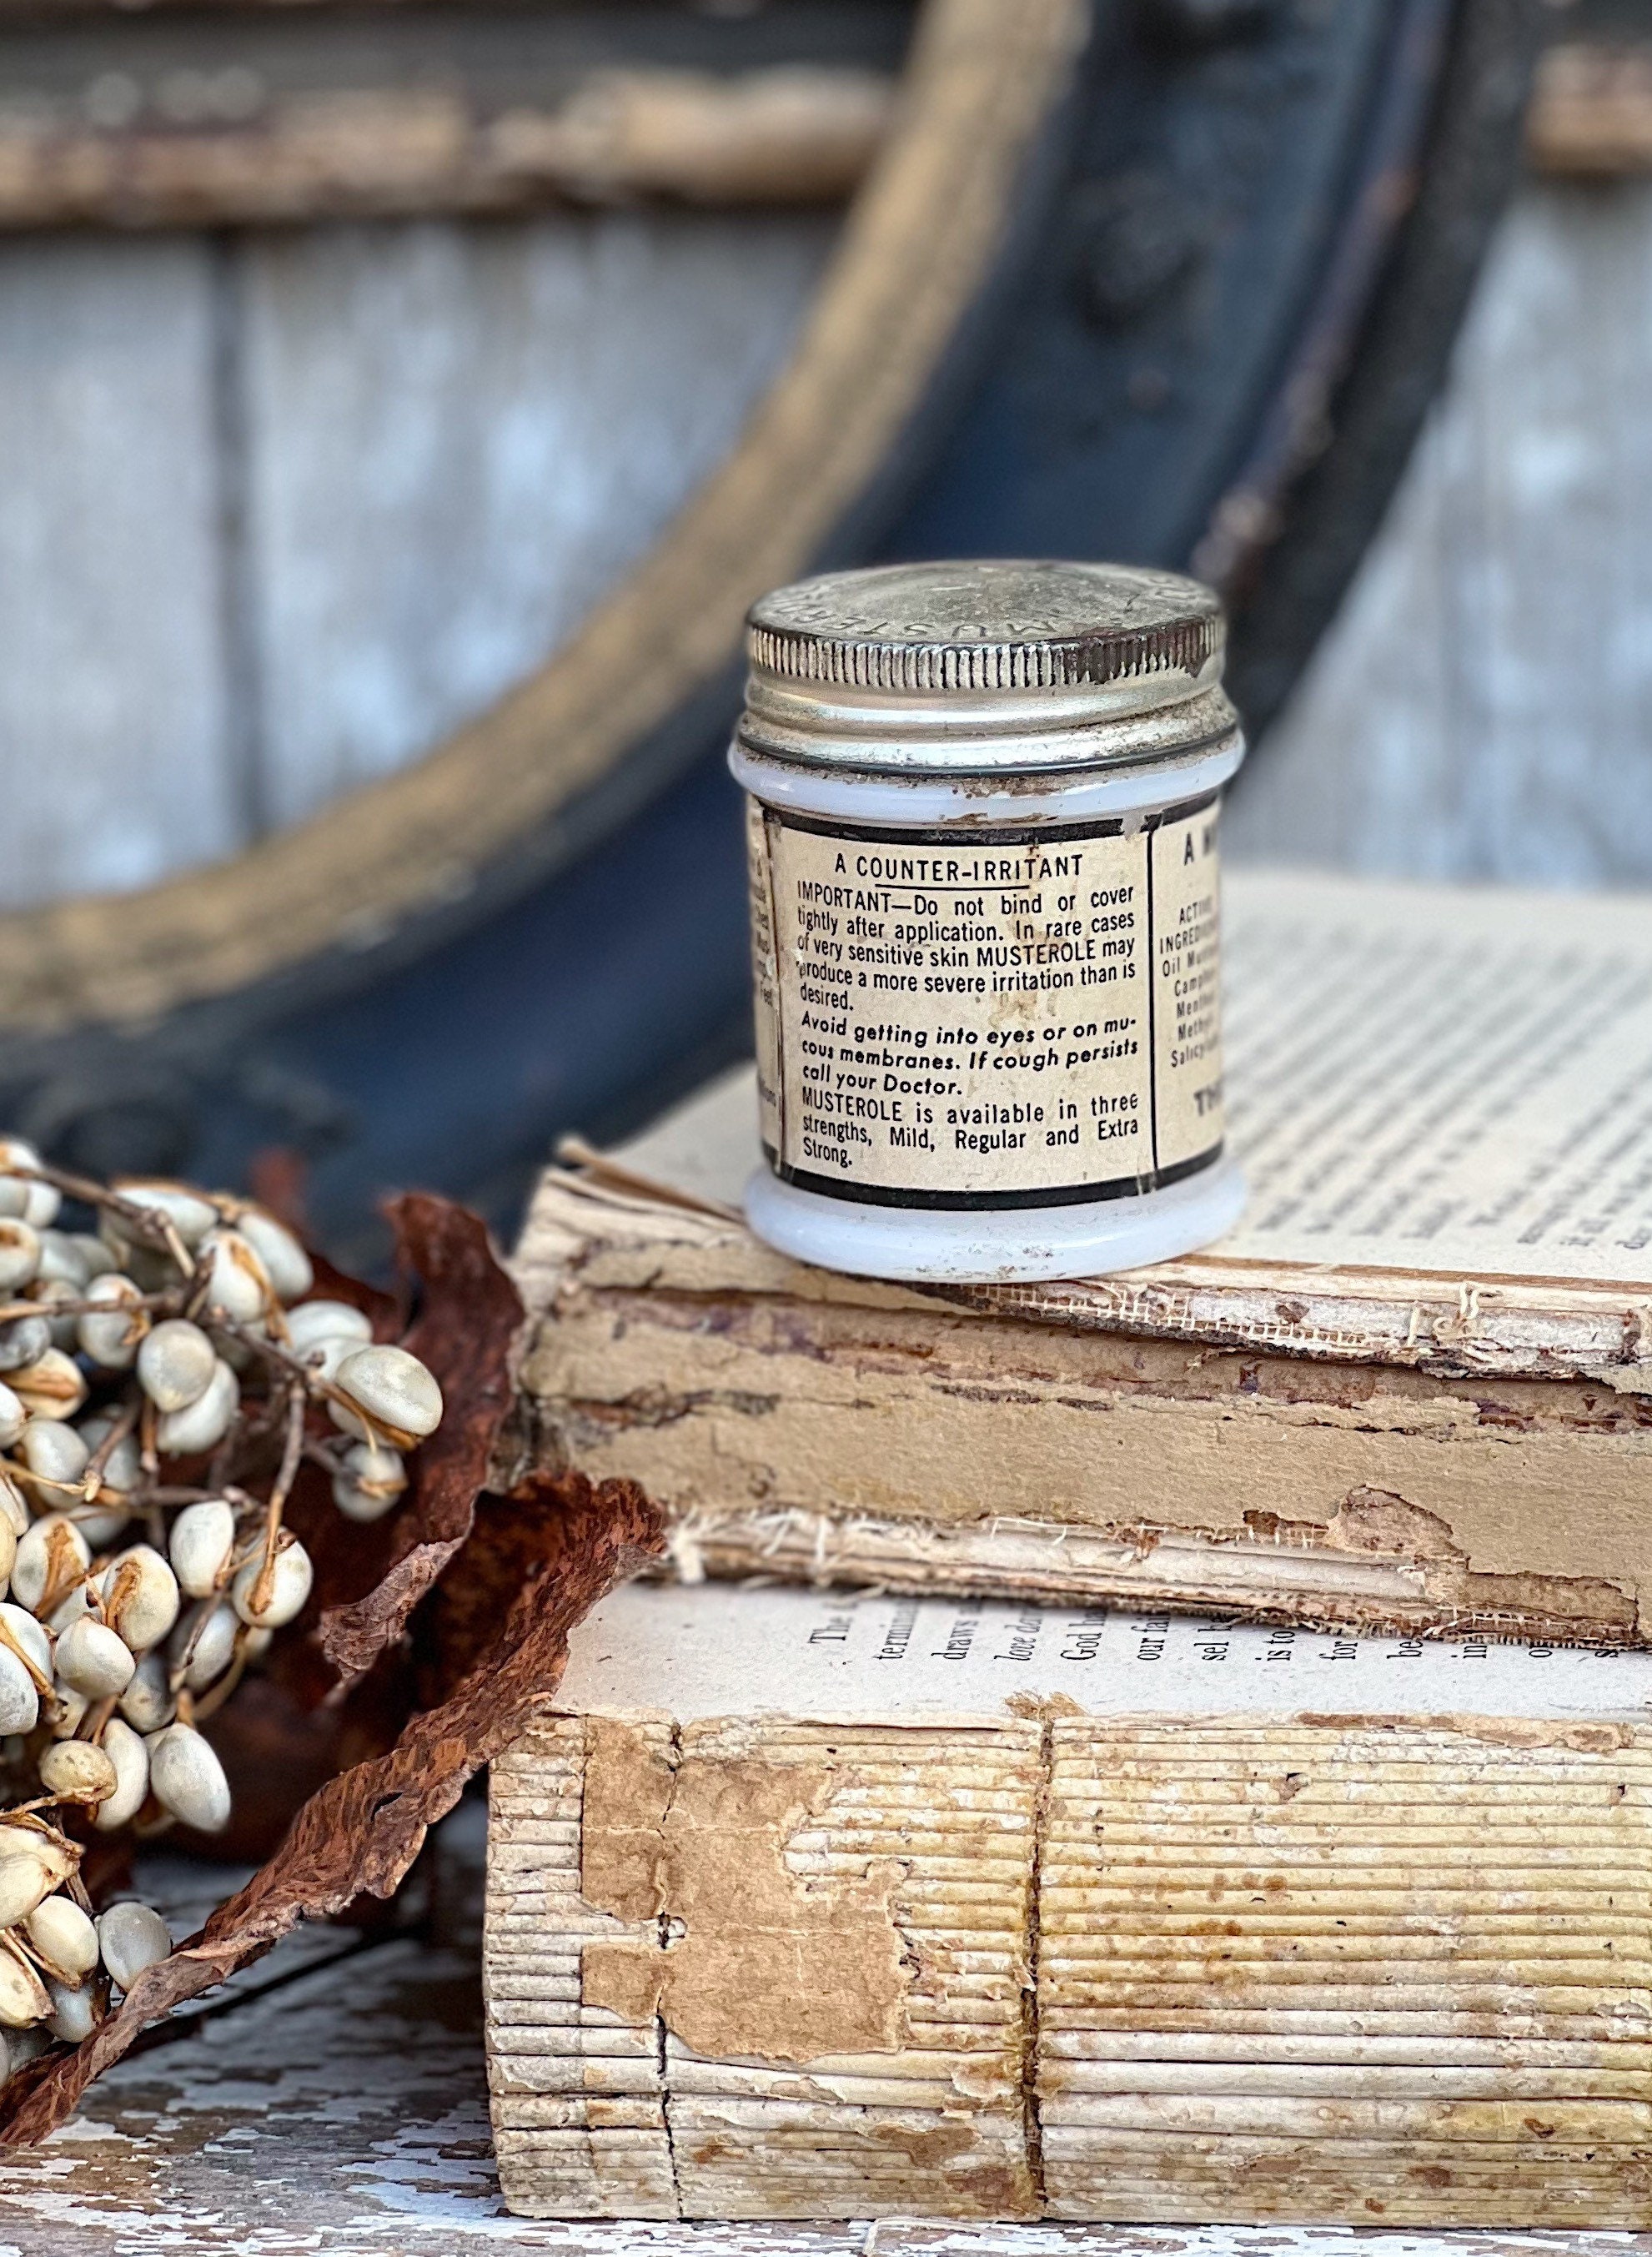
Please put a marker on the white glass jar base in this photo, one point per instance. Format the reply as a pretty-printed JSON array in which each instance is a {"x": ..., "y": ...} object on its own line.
[{"x": 1011, "y": 1247}]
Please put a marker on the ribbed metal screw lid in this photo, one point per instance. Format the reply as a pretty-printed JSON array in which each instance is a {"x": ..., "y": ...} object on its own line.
[{"x": 979, "y": 627}]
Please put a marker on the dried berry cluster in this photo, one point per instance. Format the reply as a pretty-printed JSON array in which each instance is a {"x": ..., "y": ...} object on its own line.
[{"x": 156, "y": 1375}]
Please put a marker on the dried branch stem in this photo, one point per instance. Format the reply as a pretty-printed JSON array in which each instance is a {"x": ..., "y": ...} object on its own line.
[{"x": 264, "y": 1589}]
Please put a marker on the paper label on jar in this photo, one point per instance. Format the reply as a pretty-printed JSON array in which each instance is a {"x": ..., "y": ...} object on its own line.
[{"x": 1020, "y": 1018}]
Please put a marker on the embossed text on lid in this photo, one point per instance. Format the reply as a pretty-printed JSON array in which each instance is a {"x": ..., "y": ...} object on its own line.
[{"x": 988, "y": 624}]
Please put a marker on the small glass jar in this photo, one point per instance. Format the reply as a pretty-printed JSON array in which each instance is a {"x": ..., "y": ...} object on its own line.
[{"x": 982, "y": 821}]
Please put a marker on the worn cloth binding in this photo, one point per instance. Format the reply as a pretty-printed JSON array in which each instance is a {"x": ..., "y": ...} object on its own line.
[{"x": 810, "y": 1906}]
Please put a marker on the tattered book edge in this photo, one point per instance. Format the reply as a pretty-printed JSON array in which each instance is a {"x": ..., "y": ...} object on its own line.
[{"x": 591, "y": 1231}]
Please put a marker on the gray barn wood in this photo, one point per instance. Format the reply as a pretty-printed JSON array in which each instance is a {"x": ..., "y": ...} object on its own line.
[
  {"x": 272, "y": 518},
  {"x": 1482, "y": 708},
  {"x": 507, "y": 416},
  {"x": 113, "y": 696}
]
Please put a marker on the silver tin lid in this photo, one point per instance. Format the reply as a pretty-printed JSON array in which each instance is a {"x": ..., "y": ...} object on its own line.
[{"x": 981, "y": 667}]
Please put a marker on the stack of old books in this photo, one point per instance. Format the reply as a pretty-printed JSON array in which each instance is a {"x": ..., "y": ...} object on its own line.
[{"x": 1206, "y": 1772}]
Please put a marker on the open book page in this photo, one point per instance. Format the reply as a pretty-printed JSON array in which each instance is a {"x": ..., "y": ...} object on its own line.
[
  {"x": 1425, "y": 1078},
  {"x": 717, "y": 1650}
]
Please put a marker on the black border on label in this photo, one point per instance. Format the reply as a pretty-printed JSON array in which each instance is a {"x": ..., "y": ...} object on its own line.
[
  {"x": 1007, "y": 1202},
  {"x": 1155, "y": 1180}
]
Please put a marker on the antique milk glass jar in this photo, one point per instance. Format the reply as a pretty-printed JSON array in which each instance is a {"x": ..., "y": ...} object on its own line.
[{"x": 982, "y": 820}]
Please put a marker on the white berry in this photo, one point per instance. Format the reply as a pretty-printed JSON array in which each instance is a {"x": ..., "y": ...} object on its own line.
[
  {"x": 20, "y": 1255},
  {"x": 77, "y": 1771},
  {"x": 327, "y": 1321},
  {"x": 19, "y": 1699},
  {"x": 74, "y": 2011},
  {"x": 51, "y": 1557},
  {"x": 390, "y": 1388},
  {"x": 204, "y": 1424},
  {"x": 269, "y": 1602},
  {"x": 140, "y": 1597},
  {"x": 62, "y": 1938},
  {"x": 285, "y": 1261},
  {"x": 24, "y": 1996},
  {"x": 131, "y": 1937},
  {"x": 30, "y": 1869},
  {"x": 205, "y": 1642},
  {"x": 201, "y": 1546},
  {"x": 373, "y": 1480},
  {"x": 54, "y": 1450},
  {"x": 175, "y": 1364},
  {"x": 238, "y": 1285},
  {"x": 93, "y": 1659},
  {"x": 148, "y": 1701},
  {"x": 187, "y": 1780},
  {"x": 190, "y": 1215},
  {"x": 112, "y": 1340},
  {"x": 24, "y": 1340}
]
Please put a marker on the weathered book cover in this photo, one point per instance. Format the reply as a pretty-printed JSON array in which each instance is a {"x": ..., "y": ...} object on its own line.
[
  {"x": 804, "y": 1906},
  {"x": 1413, "y": 1390}
]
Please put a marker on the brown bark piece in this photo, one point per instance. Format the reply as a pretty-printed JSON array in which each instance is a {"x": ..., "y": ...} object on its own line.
[{"x": 288, "y": 1729}]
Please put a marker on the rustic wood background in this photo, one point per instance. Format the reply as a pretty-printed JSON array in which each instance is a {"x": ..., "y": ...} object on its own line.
[
  {"x": 1482, "y": 707},
  {"x": 277, "y": 509}
]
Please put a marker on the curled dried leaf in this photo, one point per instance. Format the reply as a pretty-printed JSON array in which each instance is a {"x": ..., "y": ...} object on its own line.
[
  {"x": 363, "y": 1830},
  {"x": 466, "y": 1333},
  {"x": 445, "y": 1255}
]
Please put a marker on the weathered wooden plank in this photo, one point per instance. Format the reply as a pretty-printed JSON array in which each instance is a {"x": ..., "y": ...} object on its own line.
[
  {"x": 112, "y": 669},
  {"x": 1483, "y": 704},
  {"x": 218, "y": 116},
  {"x": 460, "y": 439},
  {"x": 1592, "y": 111}
]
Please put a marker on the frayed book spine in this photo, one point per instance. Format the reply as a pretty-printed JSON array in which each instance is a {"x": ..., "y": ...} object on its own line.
[{"x": 1364, "y": 1969}]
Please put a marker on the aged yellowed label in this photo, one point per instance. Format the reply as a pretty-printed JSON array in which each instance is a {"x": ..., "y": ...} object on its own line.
[{"x": 1026, "y": 1018}]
